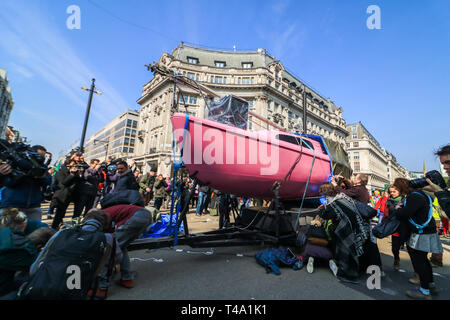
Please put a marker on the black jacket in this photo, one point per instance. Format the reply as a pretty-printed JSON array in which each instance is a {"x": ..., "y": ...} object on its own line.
[
  {"x": 126, "y": 182},
  {"x": 91, "y": 179},
  {"x": 444, "y": 200},
  {"x": 65, "y": 184},
  {"x": 417, "y": 208}
]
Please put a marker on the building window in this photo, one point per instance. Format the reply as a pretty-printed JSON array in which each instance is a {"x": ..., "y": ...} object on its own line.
[
  {"x": 128, "y": 131},
  {"x": 348, "y": 145},
  {"x": 354, "y": 128},
  {"x": 134, "y": 124},
  {"x": 120, "y": 125},
  {"x": 356, "y": 155},
  {"x": 132, "y": 142},
  {"x": 129, "y": 122},
  {"x": 354, "y": 136},
  {"x": 127, "y": 141},
  {"x": 355, "y": 144},
  {"x": 191, "y": 76},
  {"x": 239, "y": 80},
  {"x": 275, "y": 107},
  {"x": 248, "y": 80},
  {"x": 220, "y": 64},
  {"x": 193, "y": 60},
  {"x": 357, "y": 166},
  {"x": 217, "y": 79},
  {"x": 250, "y": 104},
  {"x": 250, "y": 118},
  {"x": 125, "y": 150},
  {"x": 192, "y": 100},
  {"x": 119, "y": 133},
  {"x": 247, "y": 65},
  {"x": 269, "y": 105},
  {"x": 133, "y": 133},
  {"x": 131, "y": 150}
]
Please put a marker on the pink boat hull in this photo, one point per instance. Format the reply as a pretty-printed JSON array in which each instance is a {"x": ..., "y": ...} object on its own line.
[{"x": 247, "y": 163}]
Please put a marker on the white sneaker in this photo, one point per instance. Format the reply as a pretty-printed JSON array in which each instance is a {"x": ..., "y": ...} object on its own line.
[
  {"x": 333, "y": 267},
  {"x": 310, "y": 266}
]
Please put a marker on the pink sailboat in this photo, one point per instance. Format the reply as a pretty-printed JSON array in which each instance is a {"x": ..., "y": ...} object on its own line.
[{"x": 248, "y": 163}]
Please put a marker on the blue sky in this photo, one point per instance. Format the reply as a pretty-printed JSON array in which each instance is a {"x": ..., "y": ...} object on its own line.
[{"x": 393, "y": 80}]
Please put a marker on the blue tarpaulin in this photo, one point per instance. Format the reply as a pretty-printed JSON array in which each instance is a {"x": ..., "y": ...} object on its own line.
[{"x": 161, "y": 229}]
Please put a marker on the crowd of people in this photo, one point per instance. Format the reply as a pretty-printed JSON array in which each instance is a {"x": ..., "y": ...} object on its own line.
[
  {"x": 347, "y": 241},
  {"x": 341, "y": 234}
]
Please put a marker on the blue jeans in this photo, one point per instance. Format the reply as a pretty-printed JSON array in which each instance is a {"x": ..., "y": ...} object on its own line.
[{"x": 201, "y": 202}]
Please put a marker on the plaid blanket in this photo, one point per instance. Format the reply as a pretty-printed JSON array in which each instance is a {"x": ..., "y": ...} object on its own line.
[{"x": 351, "y": 233}]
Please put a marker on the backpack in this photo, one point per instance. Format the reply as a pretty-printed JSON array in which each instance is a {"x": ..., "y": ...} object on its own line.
[{"x": 69, "y": 267}]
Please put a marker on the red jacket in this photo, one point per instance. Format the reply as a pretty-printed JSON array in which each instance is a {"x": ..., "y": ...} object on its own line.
[
  {"x": 381, "y": 204},
  {"x": 121, "y": 213}
]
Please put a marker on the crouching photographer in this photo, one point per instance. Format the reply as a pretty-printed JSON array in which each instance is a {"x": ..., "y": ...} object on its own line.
[
  {"x": 436, "y": 184},
  {"x": 23, "y": 177}
]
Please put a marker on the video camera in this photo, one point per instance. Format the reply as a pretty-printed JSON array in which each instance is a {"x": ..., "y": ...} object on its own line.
[
  {"x": 81, "y": 167},
  {"x": 433, "y": 175},
  {"x": 23, "y": 160}
]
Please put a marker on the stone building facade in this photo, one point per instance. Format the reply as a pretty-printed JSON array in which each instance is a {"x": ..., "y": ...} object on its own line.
[
  {"x": 272, "y": 92},
  {"x": 367, "y": 156},
  {"x": 6, "y": 103}
]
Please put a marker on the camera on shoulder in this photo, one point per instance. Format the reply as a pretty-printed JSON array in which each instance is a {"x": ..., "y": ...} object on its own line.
[
  {"x": 23, "y": 160},
  {"x": 433, "y": 175}
]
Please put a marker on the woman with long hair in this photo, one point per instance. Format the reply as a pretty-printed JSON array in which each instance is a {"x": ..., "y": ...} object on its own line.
[{"x": 418, "y": 215}]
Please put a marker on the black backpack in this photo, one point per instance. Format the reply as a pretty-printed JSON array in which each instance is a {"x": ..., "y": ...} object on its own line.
[{"x": 70, "y": 266}]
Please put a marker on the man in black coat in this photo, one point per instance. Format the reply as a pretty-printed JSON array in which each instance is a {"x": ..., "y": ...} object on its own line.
[
  {"x": 66, "y": 180},
  {"x": 87, "y": 190},
  {"x": 126, "y": 180}
]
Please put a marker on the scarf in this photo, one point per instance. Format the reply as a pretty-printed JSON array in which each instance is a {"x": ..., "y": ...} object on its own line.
[{"x": 397, "y": 200}]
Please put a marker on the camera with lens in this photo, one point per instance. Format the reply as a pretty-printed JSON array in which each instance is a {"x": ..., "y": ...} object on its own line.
[
  {"x": 434, "y": 176},
  {"x": 23, "y": 160},
  {"x": 81, "y": 167}
]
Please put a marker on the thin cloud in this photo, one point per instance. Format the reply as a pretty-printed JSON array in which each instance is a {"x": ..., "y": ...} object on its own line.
[
  {"x": 22, "y": 70},
  {"x": 37, "y": 45}
]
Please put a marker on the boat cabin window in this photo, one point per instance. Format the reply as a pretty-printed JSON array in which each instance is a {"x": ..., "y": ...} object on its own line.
[{"x": 295, "y": 140}]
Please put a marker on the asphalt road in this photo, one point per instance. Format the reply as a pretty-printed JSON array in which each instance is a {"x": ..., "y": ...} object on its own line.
[{"x": 184, "y": 273}]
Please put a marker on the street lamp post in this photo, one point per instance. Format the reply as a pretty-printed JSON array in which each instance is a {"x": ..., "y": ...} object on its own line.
[{"x": 88, "y": 110}]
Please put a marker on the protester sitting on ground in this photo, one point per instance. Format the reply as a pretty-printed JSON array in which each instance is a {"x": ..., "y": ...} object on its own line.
[
  {"x": 130, "y": 223},
  {"x": 319, "y": 245},
  {"x": 358, "y": 190},
  {"x": 355, "y": 249},
  {"x": 18, "y": 249},
  {"x": 423, "y": 239}
]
